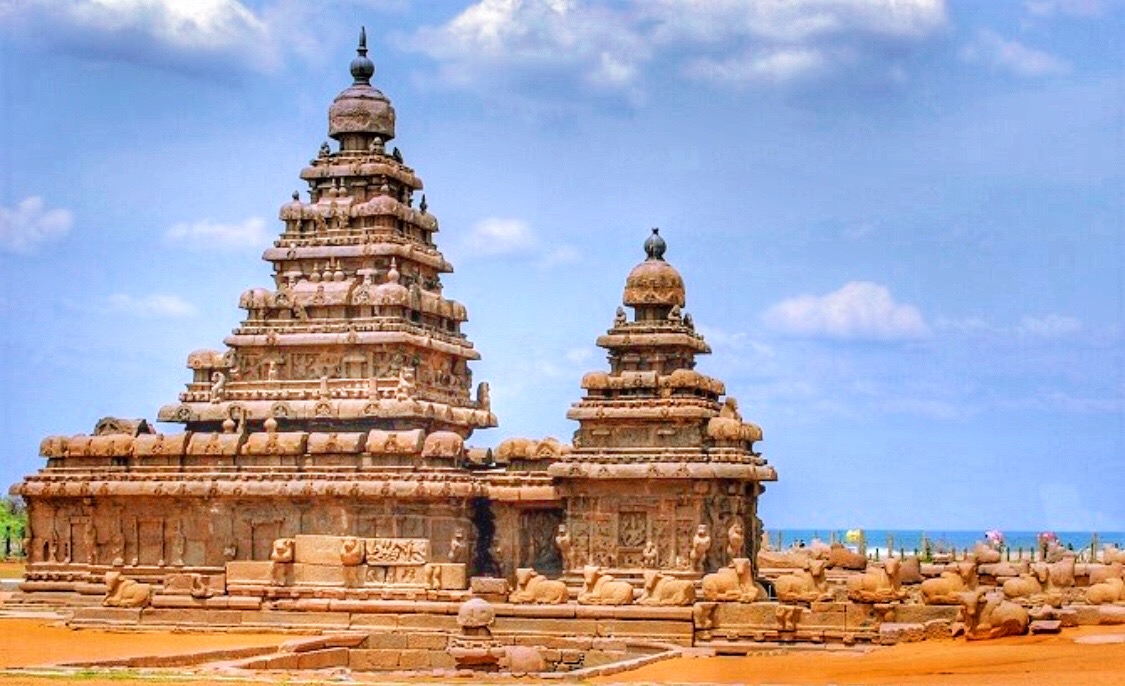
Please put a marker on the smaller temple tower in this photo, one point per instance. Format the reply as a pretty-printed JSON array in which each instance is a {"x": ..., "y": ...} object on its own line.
[{"x": 663, "y": 473}]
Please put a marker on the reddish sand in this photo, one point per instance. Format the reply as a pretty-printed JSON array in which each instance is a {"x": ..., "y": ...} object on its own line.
[
  {"x": 36, "y": 642},
  {"x": 1054, "y": 660}
]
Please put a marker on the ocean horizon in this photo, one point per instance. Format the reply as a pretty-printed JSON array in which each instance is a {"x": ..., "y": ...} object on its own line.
[{"x": 910, "y": 540}]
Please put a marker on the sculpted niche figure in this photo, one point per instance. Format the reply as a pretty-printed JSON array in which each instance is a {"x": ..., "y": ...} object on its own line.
[
  {"x": 700, "y": 545},
  {"x": 649, "y": 555},
  {"x": 457, "y": 547},
  {"x": 563, "y": 542},
  {"x": 735, "y": 539}
]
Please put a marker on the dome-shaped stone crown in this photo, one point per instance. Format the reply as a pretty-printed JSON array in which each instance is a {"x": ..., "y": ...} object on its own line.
[
  {"x": 361, "y": 108},
  {"x": 654, "y": 281}
]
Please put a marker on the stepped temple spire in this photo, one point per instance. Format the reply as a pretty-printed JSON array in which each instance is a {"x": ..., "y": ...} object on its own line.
[
  {"x": 355, "y": 332},
  {"x": 653, "y": 418},
  {"x": 323, "y": 460}
]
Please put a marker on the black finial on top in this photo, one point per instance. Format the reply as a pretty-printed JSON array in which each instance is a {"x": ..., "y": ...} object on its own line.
[
  {"x": 362, "y": 68},
  {"x": 655, "y": 245}
]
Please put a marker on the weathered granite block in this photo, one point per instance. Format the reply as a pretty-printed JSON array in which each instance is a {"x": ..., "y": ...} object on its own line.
[
  {"x": 426, "y": 641},
  {"x": 249, "y": 572},
  {"x": 318, "y": 550},
  {"x": 323, "y": 659},
  {"x": 318, "y": 575},
  {"x": 920, "y": 614},
  {"x": 386, "y": 641},
  {"x": 901, "y": 632},
  {"x": 377, "y": 659},
  {"x": 452, "y": 576}
]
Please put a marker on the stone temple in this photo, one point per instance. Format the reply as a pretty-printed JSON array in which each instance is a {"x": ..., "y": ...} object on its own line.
[
  {"x": 323, "y": 479},
  {"x": 340, "y": 408}
]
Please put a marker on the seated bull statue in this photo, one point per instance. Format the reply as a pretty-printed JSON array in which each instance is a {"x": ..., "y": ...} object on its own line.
[
  {"x": 989, "y": 615},
  {"x": 1027, "y": 586},
  {"x": 600, "y": 588},
  {"x": 840, "y": 556},
  {"x": 805, "y": 585},
  {"x": 124, "y": 592},
  {"x": 533, "y": 587},
  {"x": 1106, "y": 585},
  {"x": 1111, "y": 553},
  {"x": 986, "y": 552},
  {"x": 733, "y": 583},
  {"x": 879, "y": 584},
  {"x": 662, "y": 589},
  {"x": 947, "y": 588}
]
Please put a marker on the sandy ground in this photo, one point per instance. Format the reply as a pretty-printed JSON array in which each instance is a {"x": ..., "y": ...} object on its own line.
[
  {"x": 1054, "y": 660},
  {"x": 31, "y": 642},
  {"x": 11, "y": 570}
]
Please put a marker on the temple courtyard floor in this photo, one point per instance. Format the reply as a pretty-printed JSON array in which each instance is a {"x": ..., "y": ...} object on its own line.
[{"x": 32, "y": 648}]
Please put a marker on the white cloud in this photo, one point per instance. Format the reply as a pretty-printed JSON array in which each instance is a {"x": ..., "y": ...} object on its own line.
[
  {"x": 777, "y": 66},
  {"x": 860, "y": 310},
  {"x": 500, "y": 236},
  {"x": 212, "y": 37},
  {"x": 155, "y": 305},
  {"x": 497, "y": 237},
  {"x": 607, "y": 46},
  {"x": 1012, "y": 56},
  {"x": 1048, "y": 326},
  {"x": 205, "y": 234},
  {"x": 29, "y": 224}
]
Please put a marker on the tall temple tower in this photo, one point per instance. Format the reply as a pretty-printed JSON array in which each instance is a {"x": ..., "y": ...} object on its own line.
[
  {"x": 355, "y": 334},
  {"x": 663, "y": 472},
  {"x": 340, "y": 406},
  {"x": 338, "y": 416}
]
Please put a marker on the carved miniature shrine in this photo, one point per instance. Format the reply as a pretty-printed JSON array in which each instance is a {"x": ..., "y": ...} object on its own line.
[{"x": 322, "y": 473}]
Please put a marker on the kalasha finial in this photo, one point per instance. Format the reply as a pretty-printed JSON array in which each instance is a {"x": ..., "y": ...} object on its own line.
[
  {"x": 655, "y": 245},
  {"x": 362, "y": 68}
]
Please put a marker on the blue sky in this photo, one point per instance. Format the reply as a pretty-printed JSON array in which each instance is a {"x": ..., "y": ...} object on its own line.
[{"x": 900, "y": 222}]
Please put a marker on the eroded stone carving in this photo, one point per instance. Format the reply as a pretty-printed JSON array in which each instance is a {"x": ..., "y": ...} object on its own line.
[
  {"x": 125, "y": 592},
  {"x": 806, "y": 585},
  {"x": 662, "y": 589},
  {"x": 600, "y": 588},
  {"x": 733, "y": 583},
  {"x": 533, "y": 587},
  {"x": 879, "y": 584}
]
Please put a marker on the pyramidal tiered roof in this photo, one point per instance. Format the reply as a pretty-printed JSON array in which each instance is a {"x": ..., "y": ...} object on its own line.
[
  {"x": 355, "y": 333},
  {"x": 652, "y": 414}
]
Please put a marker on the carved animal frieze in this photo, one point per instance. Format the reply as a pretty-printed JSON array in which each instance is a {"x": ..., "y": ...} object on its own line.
[{"x": 443, "y": 444}]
